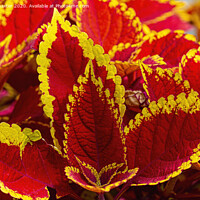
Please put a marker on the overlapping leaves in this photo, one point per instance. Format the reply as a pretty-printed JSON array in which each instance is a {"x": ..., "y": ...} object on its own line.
[
  {"x": 32, "y": 164},
  {"x": 95, "y": 94},
  {"x": 18, "y": 39},
  {"x": 90, "y": 140},
  {"x": 84, "y": 98}
]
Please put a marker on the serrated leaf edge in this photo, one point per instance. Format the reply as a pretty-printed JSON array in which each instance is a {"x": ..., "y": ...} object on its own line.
[
  {"x": 189, "y": 104},
  {"x": 160, "y": 73}
]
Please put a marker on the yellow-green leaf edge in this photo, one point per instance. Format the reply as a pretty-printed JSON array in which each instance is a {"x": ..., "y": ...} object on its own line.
[
  {"x": 12, "y": 135},
  {"x": 188, "y": 104},
  {"x": 90, "y": 51}
]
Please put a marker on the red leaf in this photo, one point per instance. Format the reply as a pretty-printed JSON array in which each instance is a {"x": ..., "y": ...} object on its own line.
[
  {"x": 120, "y": 56},
  {"x": 17, "y": 36},
  {"x": 164, "y": 139},
  {"x": 31, "y": 166},
  {"x": 149, "y": 10},
  {"x": 159, "y": 15},
  {"x": 163, "y": 82},
  {"x": 32, "y": 17},
  {"x": 90, "y": 110},
  {"x": 157, "y": 50},
  {"x": 122, "y": 52},
  {"x": 93, "y": 129},
  {"x": 174, "y": 22},
  {"x": 7, "y": 68},
  {"x": 24, "y": 75},
  {"x": 59, "y": 76},
  {"x": 166, "y": 44},
  {"x": 109, "y": 23},
  {"x": 189, "y": 68},
  {"x": 22, "y": 35},
  {"x": 28, "y": 113},
  {"x": 28, "y": 106}
]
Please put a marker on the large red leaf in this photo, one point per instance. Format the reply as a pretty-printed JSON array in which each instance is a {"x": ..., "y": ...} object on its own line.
[
  {"x": 93, "y": 131},
  {"x": 164, "y": 139},
  {"x": 158, "y": 14},
  {"x": 31, "y": 166},
  {"x": 189, "y": 68},
  {"x": 163, "y": 82},
  {"x": 109, "y": 23},
  {"x": 64, "y": 54},
  {"x": 89, "y": 111}
]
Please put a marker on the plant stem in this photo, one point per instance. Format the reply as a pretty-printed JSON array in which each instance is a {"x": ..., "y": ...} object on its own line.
[
  {"x": 121, "y": 193},
  {"x": 101, "y": 196},
  {"x": 169, "y": 188},
  {"x": 196, "y": 166},
  {"x": 108, "y": 196}
]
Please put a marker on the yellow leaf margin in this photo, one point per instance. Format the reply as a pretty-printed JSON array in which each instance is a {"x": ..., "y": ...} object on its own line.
[
  {"x": 12, "y": 135},
  {"x": 90, "y": 51},
  {"x": 189, "y": 104}
]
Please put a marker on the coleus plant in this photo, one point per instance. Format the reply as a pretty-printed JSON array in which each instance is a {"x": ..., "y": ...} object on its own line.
[{"x": 87, "y": 140}]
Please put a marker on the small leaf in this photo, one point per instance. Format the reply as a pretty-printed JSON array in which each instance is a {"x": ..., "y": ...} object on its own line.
[
  {"x": 163, "y": 82},
  {"x": 126, "y": 68},
  {"x": 122, "y": 52},
  {"x": 189, "y": 68}
]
